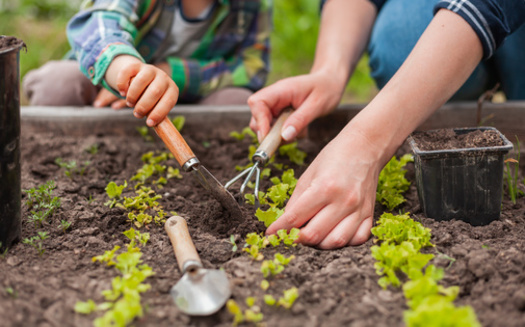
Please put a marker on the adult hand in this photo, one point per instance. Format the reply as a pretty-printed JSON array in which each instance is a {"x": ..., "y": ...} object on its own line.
[
  {"x": 311, "y": 96},
  {"x": 335, "y": 196},
  {"x": 105, "y": 98},
  {"x": 147, "y": 88}
]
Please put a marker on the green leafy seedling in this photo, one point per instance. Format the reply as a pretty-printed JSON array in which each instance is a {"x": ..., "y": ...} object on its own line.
[
  {"x": 233, "y": 243},
  {"x": 511, "y": 176},
  {"x": 93, "y": 149},
  {"x": 37, "y": 242},
  {"x": 178, "y": 122},
  {"x": 294, "y": 154},
  {"x": 144, "y": 132},
  {"x": 288, "y": 298},
  {"x": 64, "y": 225},
  {"x": 392, "y": 182}
]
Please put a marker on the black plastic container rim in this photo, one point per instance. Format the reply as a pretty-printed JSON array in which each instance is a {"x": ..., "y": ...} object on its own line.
[
  {"x": 16, "y": 47},
  {"x": 465, "y": 151}
]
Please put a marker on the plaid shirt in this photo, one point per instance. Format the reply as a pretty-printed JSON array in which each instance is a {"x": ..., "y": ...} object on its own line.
[{"x": 233, "y": 52}]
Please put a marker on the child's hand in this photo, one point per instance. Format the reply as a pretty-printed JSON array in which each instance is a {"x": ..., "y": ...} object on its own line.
[
  {"x": 147, "y": 88},
  {"x": 105, "y": 98}
]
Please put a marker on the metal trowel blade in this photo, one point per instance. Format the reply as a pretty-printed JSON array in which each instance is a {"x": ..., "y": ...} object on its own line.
[
  {"x": 202, "y": 292},
  {"x": 218, "y": 191}
]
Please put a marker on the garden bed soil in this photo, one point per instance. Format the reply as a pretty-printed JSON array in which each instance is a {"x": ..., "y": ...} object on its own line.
[{"x": 337, "y": 288}]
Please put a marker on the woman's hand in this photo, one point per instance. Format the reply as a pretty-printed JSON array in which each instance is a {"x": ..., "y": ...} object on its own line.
[
  {"x": 310, "y": 95},
  {"x": 333, "y": 202}
]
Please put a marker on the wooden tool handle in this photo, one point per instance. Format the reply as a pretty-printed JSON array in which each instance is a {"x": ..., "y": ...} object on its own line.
[
  {"x": 174, "y": 141},
  {"x": 272, "y": 141},
  {"x": 183, "y": 246}
]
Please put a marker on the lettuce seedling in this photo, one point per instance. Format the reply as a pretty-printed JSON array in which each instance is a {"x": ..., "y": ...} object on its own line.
[
  {"x": 289, "y": 238},
  {"x": 395, "y": 229},
  {"x": 135, "y": 236},
  {"x": 265, "y": 284},
  {"x": 247, "y": 131},
  {"x": 288, "y": 298},
  {"x": 392, "y": 182},
  {"x": 85, "y": 307},
  {"x": 173, "y": 173},
  {"x": 233, "y": 243},
  {"x": 268, "y": 216},
  {"x": 294, "y": 154},
  {"x": 144, "y": 132},
  {"x": 178, "y": 122},
  {"x": 235, "y": 310},
  {"x": 114, "y": 192},
  {"x": 269, "y": 300}
]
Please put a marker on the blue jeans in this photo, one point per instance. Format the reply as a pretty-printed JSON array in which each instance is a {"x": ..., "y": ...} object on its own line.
[{"x": 398, "y": 27}]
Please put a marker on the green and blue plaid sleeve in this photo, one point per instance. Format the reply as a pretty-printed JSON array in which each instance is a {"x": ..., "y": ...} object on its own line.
[
  {"x": 103, "y": 30},
  {"x": 247, "y": 66}
]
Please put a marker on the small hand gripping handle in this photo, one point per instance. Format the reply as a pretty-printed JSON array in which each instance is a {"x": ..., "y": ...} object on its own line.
[
  {"x": 183, "y": 246},
  {"x": 272, "y": 141}
]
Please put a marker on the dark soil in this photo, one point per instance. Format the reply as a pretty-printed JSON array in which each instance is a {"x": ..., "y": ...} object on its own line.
[
  {"x": 337, "y": 288},
  {"x": 448, "y": 139}
]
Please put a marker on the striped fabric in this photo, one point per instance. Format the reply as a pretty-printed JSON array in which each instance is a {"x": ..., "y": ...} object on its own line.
[
  {"x": 233, "y": 52},
  {"x": 492, "y": 20}
]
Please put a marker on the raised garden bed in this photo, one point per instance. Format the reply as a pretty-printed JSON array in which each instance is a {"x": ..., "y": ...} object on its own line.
[{"x": 337, "y": 288}]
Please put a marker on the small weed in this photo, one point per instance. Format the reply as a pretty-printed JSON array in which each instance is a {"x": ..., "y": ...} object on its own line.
[
  {"x": 42, "y": 203},
  {"x": 37, "y": 242},
  {"x": 144, "y": 132},
  {"x": 512, "y": 177},
  {"x": 93, "y": 150},
  {"x": 11, "y": 292},
  {"x": 3, "y": 253},
  {"x": 71, "y": 167},
  {"x": 64, "y": 225},
  {"x": 232, "y": 242}
]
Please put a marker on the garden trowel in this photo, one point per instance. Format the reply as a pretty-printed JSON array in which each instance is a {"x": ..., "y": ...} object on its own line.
[
  {"x": 200, "y": 292},
  {"x": 189, "y": 162}
]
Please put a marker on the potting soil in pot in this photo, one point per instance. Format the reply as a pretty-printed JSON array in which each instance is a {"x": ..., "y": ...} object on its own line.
[{"x": 336, "y": 288}]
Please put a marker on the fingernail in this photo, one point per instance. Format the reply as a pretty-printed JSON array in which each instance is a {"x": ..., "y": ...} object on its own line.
[
  {"x": 259, "y": 136},
  {"x": 122, "y": 93},
  {"x": 97, "y": 104},
  {"x": 129, "y": 104},
  {"x": 289, "y": 133},
  {"x": 136, "y": 114},
  {"x": 150, "y": 122}
]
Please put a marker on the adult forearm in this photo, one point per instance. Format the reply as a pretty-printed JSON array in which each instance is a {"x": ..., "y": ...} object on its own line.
[
  {"x": 345, "y": 29},
  {"x": 442, "y": 60}
]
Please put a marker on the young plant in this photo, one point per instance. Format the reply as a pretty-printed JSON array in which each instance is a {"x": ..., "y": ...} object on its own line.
[
  {"x": 37, "y": 242},
  {"x": 93, "y": 149},
  {"x": 114, "y": 192},
  {"x": 178, "y": 122},
  {"x": 41, "y": 203},
  {"x": 71, "y": 167},
  {"x": 122, "y": 304},
  {"x": 512, "y": 178},
  {"x": 392, "y": 182},
  {"x": 64, "y": 225},
  {"x": 4, "y": 252},
  {"x": 233, "y": 243},
  {"x": 247, "y": 131},
  {"x": 288, "y": 298},
  {"x": 144, "y": 132},
  {"x": 294, "y": 154}
]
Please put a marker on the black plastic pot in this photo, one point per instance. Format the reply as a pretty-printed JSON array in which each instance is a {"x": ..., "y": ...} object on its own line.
[
  {"x": 10, "y": 193},
  {"x": 463, "y": 184}
]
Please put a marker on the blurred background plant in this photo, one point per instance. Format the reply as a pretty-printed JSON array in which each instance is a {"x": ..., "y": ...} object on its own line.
[{"x": 41, "y": 25}]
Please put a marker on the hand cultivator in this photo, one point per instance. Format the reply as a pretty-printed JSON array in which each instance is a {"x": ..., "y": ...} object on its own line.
[{"x": 261, "y": 156}]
